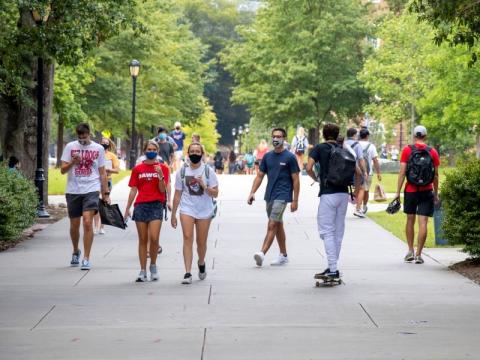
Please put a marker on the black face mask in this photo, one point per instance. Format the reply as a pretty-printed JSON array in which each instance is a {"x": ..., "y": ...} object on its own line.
[
  {"x": 105, "y": 146},
  {"x": 194, "y": 158}
]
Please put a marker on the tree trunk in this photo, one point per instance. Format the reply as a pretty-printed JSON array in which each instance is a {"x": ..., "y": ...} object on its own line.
[
  {"x": 478, "y": 146},
  {"x": 18, "y": 117},
  {"x": 61, "y": 125}
]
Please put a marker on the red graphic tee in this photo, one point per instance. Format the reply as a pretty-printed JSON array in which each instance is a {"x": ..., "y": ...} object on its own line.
[
  {"x": 146, "y": 179},
  {"x": 404, "y": 159}
]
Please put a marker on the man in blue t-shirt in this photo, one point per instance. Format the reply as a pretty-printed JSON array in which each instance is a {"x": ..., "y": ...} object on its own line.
[
  {"x": 178, "y": 136},
  {"x": 282, "y": 171}
]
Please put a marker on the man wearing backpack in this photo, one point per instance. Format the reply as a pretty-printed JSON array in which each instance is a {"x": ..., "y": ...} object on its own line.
[
  {"x": 370, "y": 156},
  {"x": 336, "y": 170},
  {"x": 419, "y": 165}
]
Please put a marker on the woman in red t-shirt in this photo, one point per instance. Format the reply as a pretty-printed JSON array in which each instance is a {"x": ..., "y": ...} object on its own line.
[
  {"x": 260, "y": 152},
  {"x": 148, "y": 182}
]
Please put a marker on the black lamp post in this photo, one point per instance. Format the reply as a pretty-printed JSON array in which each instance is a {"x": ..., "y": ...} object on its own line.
[
  {"x": 247, "y": 130},
  {"x": 134, "y": 70},
  {"x": 234, "y": 132},
  {"x": 240, "y": 133},
  {"x": 40, "y": 19}
]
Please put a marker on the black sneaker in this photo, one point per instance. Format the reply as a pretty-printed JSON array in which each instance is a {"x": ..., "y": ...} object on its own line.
[
  {"x": 76, "y": 258},
  {"x": 187, "y": 279},
  {"x": 322, "y": 274},
  {"x": 202, "y": 272},
  {"x": 333, "y": 275}
]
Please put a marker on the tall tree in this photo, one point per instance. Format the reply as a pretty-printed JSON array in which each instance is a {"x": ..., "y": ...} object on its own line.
[
  {"x": 72, "y": 29},
  {"x": 298, "y": 62}
]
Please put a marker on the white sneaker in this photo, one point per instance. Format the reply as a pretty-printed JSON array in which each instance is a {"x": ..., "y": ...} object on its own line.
[
  {"x": 281, "y": 260},
  {"x": 153, "y": 272},
  {"x": 142, "y": 276},
  {"x": 102, "y": 232},
  {"x": 187, "y": 279},
  {"x": 359, "y": 213},
  {"x": 259, "y": 256},
  {"x": 95, "y": 232}
]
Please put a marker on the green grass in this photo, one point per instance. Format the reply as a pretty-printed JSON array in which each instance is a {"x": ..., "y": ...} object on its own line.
[
  {"x": 57, "y": 182},
  {"x": 389, "y": 181},
  {"x": 396, "y": 225}
]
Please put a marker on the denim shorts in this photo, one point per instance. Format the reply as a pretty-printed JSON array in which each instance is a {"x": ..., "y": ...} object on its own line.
[
  {"x": 275, "y": 210},
  {"x": 148, "y": 211}
]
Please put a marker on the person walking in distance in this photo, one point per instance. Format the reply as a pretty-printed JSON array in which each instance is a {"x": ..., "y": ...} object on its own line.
[
  {"x": 179, "y": 137},
  {"x": 259, "y": 153},
  {"x": 333, "y": 203},
  {"x": 281, "y": 168},
  {"x": 166, "y": 149},
  {"x": 112, "y": 166},
  {"x": 360, "y": 172},
  {"x": 419, "y": 165},
  {"x": 84, "y": 162},
  {"x": 218, "y": 162},
  {"x": 196, "y": 186},
  {"x": 370, "y": 156},
  {"x": 300, "y": 146},
  {"x": 148, "y": 183}
]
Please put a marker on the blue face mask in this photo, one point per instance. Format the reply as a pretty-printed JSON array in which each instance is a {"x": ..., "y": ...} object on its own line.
[
  {"x": 162, "y": 136},
  {"x": 151, "y": 155}
]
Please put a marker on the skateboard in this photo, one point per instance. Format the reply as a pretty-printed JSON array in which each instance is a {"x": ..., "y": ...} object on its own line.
[{"x": 325, "y": 280}]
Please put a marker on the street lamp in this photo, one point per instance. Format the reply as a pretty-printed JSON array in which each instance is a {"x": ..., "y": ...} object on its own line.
[
  {"x": 40, "y": 18},
  {"x": 240, "y": 133},
  {"x": 134, "y": 70}
]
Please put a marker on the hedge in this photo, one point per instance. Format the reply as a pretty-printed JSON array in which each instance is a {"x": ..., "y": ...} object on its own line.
[
  {"x": 18, "y": 204},
  {"x": 460, "y": 194}
]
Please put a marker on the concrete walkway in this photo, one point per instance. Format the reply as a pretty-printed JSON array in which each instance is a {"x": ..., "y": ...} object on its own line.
[{"x": 385, "y": 310}]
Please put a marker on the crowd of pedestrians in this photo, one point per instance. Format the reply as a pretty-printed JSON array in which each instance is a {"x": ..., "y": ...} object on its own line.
[{"x": 338, "y": 165}]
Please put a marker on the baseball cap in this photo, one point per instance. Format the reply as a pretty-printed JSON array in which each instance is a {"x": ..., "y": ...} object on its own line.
[
  {"x": 420, "y": 131},
  {"x": 177, "y": 124}
]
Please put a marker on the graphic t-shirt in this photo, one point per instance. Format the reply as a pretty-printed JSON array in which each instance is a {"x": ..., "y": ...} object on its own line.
[
  {"x": 406, "y": 152},
  {"x": 178, "y": 137},
  {"x": 195, "y": 202},
  {"x": 279, "y": 168},
  {"x": 321, "y": 155},
  {"x": 146, "y": 180},
  {"x": 84, "y": 177}
]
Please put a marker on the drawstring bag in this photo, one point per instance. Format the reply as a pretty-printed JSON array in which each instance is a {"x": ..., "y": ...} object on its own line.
[
  {"x": 111, "y": 215},
  {"x": 379, "y": 194}
]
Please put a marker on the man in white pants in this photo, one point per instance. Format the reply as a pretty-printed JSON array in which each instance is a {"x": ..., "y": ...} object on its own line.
[{"x": 333, "y": 204}]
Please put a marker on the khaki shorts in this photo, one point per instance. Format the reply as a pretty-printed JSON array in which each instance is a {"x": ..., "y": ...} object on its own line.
[
  {"x": 275, "y": 210},
  {"x": 367, "y": 183}
]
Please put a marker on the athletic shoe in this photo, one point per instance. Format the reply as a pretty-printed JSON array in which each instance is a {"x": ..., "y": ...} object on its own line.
[
  {"x": 95, "y": 232},
  {"x": 259, "y": 256},
  {"x": 281, "y": 260},
  {"x": 202, "y": 273},
  {"x": 142, "y": 276},
  {"x": 418, "y": 259},
  {"x": 365, "y": 209},
  {"x": 187, "y": 279},
  {"x": 86, "y": 265},
  {"x": 359, "y": 213},
  {"x": 319, "y": 275},
  {"x": 410, "y": 256},
  {"x": 333, "y": 275},
  {"x": 76, "y": 258},
  {"x": 153, "y": 272},
  {"x": 102, "y": 232}
]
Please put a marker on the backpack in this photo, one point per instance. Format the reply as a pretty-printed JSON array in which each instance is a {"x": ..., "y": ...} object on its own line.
[
  {"x": 420, "y": 167},
  {"x": 219, "y": 162},
  {"x": 341, "y": 167},
  {"x": 206, "y": 171},
  {"x": 367, "y": 159},
  {"x": 300, "y": 146}
]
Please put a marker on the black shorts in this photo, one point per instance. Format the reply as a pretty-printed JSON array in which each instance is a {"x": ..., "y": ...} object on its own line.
[
  {"x": 148, "y": 211},
  {"x": 419, "y": 203},
  {"x": 78, "y": 203}
]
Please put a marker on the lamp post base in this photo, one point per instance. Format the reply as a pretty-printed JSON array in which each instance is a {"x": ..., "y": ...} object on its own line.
[
  {"x": 41, "y": 212},
  {"x": 39, "y": 180}
]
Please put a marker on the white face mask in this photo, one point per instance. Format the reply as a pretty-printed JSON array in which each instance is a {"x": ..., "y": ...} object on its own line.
[{"x": 277, "y": 142}]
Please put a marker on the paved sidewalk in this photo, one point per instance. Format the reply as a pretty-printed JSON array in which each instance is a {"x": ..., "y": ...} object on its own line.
[{"x": 385, "y": 310}]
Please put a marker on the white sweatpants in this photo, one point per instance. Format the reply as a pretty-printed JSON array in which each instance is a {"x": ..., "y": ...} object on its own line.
[{"x": 332, "y": 210}]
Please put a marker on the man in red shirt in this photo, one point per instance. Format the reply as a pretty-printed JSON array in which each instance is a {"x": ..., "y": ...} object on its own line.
[{"x": 419, "y": 165}]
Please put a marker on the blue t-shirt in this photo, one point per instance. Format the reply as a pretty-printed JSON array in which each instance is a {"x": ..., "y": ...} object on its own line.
[
  {"x": 279, "y": 168},
  {"x": 178, "y": 137}
]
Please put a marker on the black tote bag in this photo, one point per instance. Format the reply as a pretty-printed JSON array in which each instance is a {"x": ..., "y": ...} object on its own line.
[{"x": 111, "y": 214}]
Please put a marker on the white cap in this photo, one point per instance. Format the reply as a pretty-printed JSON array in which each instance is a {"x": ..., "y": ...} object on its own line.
[
  {"x": 177, "y": 124},
  {"x": 419, "y": 131}
]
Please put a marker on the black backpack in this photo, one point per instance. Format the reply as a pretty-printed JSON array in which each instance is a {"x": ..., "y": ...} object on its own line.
[
  {"x": 341, "y": 167},
  {"x": 420, "y": 167}
]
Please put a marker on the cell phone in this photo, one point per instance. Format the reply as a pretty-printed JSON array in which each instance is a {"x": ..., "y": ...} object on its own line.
[{"x": 251, "y": 200}]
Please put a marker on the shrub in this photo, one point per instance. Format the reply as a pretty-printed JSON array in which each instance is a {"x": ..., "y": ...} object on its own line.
[
  {"x": 461, "y": 201},
  {"x": 18, "y": 204}
]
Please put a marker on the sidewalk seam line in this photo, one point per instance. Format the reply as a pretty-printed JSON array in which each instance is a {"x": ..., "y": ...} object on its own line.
[
  {"x": 86, "y": 273},
  {"x": 43, "y": 317},
  {"x": 204, "y": 341},
  {"x": 210, "y": 294},
  {"x": 369, "y": 316}
]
